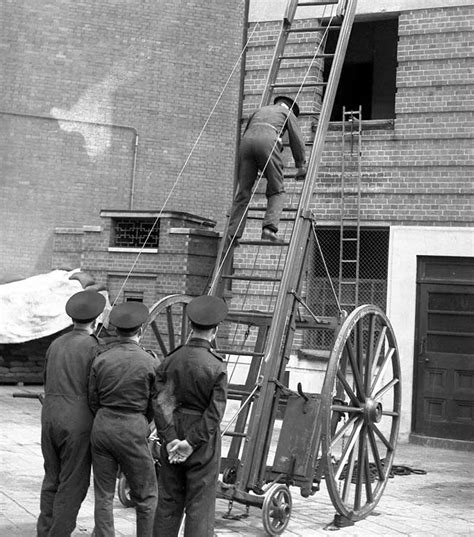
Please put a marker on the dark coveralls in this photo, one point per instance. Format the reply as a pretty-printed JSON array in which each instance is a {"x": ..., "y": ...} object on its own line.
[
  {"x": 260, "y": 149},
  {"x": 121, "y": 389},
  {"x": 66, "y": 422},
  {"x": 192, "y": 393}
]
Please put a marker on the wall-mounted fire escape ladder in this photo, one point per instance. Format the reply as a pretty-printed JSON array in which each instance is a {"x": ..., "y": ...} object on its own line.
[
  {"x": 349, "y": 238},
  {"x": 266, "y": 278}
]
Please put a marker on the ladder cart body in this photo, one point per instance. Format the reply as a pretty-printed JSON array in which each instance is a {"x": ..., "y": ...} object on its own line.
[{"x": 343, "y": 427}]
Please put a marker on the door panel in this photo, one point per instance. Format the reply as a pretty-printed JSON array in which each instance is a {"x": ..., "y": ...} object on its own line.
[{"x": 444, "y": 369}]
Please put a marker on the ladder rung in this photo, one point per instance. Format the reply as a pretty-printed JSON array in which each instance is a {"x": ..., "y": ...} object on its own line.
[
  {"x": 263, "y": 208},
  {"x": 318, "y": 3},
  {"x": 252, "y": 278},
  {"x": 233, "y": 433},
  {"x": 294, "y": 85},
  {"x": 262, "y": 243},
  {"x": 307, "y": 143},
  {"x": 283, "y": 219},
  {"x": 239, "y": 352},
  {"x": 350, "y": 282},
  {"x": 321, "y": 322},
  {"x": 349, "y": 239},
  {"x": 258, "y": 318},
  {"x": 239, "y": 390},
  {"x": 305, "y": 56},
  {"x": 314, "y": 29},
  {"x": 348, "y": 260}
]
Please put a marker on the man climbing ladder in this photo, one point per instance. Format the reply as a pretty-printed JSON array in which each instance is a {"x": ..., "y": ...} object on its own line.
[{"x": 260, "y": 149}]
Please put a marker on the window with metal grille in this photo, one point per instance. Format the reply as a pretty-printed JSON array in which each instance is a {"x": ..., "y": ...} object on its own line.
[
  {"x": 323, "y": 290},
  {"x": 135, "y": 233}
]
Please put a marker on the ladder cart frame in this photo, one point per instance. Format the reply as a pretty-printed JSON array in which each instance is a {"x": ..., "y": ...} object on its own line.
[{"x": 346, "y": 434}]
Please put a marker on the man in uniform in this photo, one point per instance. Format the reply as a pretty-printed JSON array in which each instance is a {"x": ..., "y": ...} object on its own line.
[
  {"x": 260, "y": 149},
  {"x": 121, "y": 391},
  {"x": 66, "y": 419},
  {"x": 192, "y": 393}
]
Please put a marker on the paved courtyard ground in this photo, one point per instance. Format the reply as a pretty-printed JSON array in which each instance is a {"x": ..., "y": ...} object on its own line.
[{"x": 438, "y": 504}]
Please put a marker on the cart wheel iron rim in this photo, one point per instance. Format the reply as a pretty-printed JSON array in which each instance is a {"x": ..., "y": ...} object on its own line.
[
  {"x": 123, "y": 491},
  {"x": 167, "y": 326},
  {"x": 276, "y": 509},
  {"x": 361, "y": 412}
]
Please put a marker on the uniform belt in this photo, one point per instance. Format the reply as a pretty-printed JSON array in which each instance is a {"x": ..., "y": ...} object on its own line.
[
  {"x": 265, "y": 125},
  {"x": 66, "y": 395},
  {"x": 122, "y": 410},
  {"x": 190, "y": 411}
]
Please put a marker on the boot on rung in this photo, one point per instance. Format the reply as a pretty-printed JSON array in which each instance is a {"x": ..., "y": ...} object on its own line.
[{"x": 270, "y": 236}]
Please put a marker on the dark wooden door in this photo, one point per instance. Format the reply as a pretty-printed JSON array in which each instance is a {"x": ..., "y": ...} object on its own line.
[{"x": 444, "y": 355}]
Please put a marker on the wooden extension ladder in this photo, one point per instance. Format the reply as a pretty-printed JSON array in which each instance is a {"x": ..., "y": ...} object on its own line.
[{"x": 266, "y": 305}]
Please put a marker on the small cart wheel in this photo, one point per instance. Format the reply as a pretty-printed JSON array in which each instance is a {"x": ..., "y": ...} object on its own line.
[
  {"x": 167, "y": 325},
  {"x": 276, "y": 509},
  {"x": 123, "y": 491},
  {"x": 360, "y": 412}
]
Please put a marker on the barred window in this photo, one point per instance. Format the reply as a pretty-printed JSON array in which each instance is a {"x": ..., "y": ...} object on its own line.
[
  {"x": 372, "y": 282},
  {"x": 135, "y": 232}
]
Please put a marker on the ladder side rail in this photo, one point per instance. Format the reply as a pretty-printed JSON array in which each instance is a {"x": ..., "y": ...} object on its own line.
[
  {"x": 260, "y": 427},
  {"x": 272, "y": 358},
  {"x": 220, "y": 285},
  {"x": 219, "y": 288},
  {"x": 353, "y": 228},
  {"x": 250, "y": 382},
  {"x": 359, "y": 193},
  {"x": 278, "y": 50},
  {"x": 260, "y": 459},
  {"x": 342, "y": 202}
]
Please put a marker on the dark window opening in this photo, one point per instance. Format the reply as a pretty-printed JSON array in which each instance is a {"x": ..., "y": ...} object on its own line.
[
  {"x": 133, "y": 296},
  {"x": 135, "y": 233},
  {"x": 368, "y": 77}
]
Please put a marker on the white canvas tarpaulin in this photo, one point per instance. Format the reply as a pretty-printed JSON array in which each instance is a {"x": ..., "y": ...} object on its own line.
[{"x": 34, "y": 307}]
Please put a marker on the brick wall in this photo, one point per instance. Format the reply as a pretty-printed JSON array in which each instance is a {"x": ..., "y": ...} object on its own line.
[
  {"x": 418, "y": 168},
  {"x": 101, "y": 105},
  {"x": 182, "y": 264},
  {"x": 24, "y": 362}
]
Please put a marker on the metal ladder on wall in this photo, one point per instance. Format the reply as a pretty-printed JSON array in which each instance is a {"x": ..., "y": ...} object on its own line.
[
  {"x": 349, "y": 238},
  {"x": 262, "y": 332}
]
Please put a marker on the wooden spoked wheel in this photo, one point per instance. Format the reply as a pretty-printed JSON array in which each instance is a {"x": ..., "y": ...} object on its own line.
[
  {"x": 276, "y": 509},
  {"x": 360, "y": 412},
  {"x": 123, "y": 491},
  {"x": 167, "y": 325}
]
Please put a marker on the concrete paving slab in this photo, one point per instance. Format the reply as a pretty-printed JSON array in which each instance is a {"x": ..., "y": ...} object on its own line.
[{"x": 440, "y": 503}]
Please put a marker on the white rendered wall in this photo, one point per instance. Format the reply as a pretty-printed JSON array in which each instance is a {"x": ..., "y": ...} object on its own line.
[
  {"x": 406, "y": 243},
  {"x": 270, "y": 10}
]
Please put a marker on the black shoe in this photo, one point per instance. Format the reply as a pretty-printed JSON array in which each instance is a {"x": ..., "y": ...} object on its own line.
[{"x": 270, "y": 236}]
